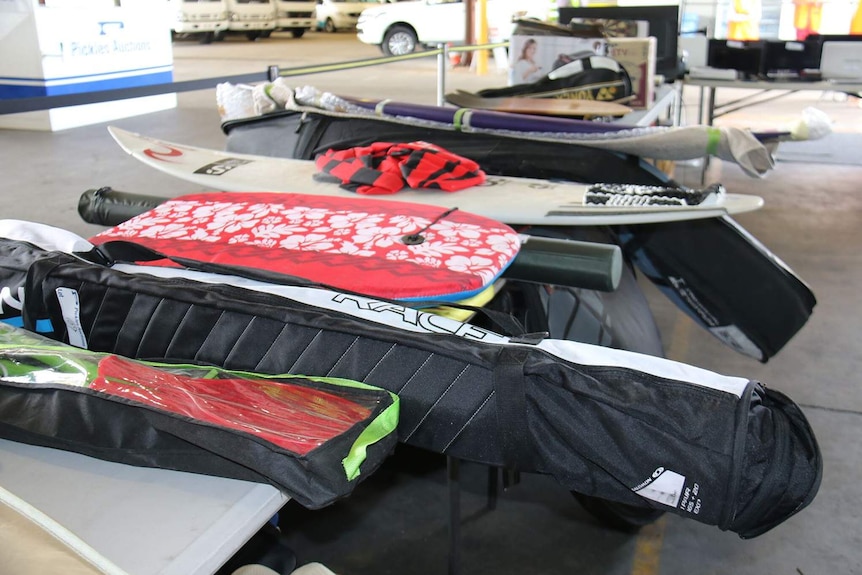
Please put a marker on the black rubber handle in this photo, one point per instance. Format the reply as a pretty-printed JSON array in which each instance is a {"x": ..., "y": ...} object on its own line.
[
  {"x": 572, "y": 263},
  {"x": 108, "y": 207}
]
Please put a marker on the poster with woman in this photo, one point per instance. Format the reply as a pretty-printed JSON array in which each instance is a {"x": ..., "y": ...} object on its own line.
[
  {"x": 526, "y": 68},
  {"x": 532, "y": 57}
]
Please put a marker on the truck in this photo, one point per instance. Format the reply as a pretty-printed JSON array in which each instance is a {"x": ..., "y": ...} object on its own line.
[
  {"x": 295, "y": 17},
  {"x": 402, "y": 27},
  {"x": 207, "y": 18},
  {"x": 255, "y": 18}
]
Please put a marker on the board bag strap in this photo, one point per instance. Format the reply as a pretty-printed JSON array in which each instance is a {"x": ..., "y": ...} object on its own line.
[{"x": 511, "y": 404}]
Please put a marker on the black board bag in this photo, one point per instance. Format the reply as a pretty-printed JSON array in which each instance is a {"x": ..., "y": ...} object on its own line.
[
  {"x": 629, "y": 428},
  {"x": 314, "y": 439}
]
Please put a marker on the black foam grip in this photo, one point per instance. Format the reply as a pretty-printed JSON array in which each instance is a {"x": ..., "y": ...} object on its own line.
[{"x": 108, "y": 207}]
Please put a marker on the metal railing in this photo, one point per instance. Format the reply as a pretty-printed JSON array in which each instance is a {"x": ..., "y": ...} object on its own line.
[{"x": 32, "y": 104}]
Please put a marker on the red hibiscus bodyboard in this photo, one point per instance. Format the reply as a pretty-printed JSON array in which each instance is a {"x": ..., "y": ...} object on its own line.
[{"x": 353, "y": 244}]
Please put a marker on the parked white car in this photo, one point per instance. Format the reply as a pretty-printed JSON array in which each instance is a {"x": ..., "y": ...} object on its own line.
[
  {"x": 401, "y": 27},
  {"x": 254, "y": 18},
  {"x": 333, "y": 15},
  {"x": 206, "y": 19},
  {"x": 295, "y": 16}
]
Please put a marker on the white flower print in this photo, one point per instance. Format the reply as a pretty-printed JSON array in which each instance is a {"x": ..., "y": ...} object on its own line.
[
  {"x": 428, "y": 261},
  {"x": 505, "y": 243},
  {"x": 122, "y": 232},
  {"x": 202, "y": 235},
  {"x": 437, "y": 249},
  {"x": 265, "y": 242},
  {"x": 345, "y": 220},
  {"x": 447, "y": 228},
  {"x": 165, "y": 231},
  {"x": 351, "y": 249},
  {"x": 177, "y": 207},
  {"x": 144, "y": 222},
  {"x": 309, "y": 215},
  {"x": 263, "y": 210},
  {"x": 232, "y": 222},
  {"x": 210, "y": 210},
  {"x": 475, "y": 265},
  {"x": 276, "y": 230},
  {"x": 380, "y": 237},
  {"x": 397, "y": 255},
  {"x": 407, "y": 224},
  {"x": 309, "y": 242}
]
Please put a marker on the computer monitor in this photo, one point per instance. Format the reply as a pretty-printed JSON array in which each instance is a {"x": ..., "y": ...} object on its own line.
[
  {"x": 746, "y": 57},
  {"x": 782, "y": 56},
  {"x": 663, "y": 24}
]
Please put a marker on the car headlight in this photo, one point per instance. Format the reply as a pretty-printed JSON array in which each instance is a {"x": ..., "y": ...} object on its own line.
[{"x": 366, "y": 15}]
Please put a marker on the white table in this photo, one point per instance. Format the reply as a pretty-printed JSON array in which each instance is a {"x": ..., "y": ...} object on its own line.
[
  {"x": 764, "y": 91},
  {"x": 146, "y": 521}
]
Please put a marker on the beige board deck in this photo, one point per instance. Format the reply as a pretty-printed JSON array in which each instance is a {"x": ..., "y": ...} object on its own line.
[{"x": 570, "y": 108}]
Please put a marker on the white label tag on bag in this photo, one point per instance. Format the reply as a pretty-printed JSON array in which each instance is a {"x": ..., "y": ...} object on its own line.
[{"x": 70, "y": 306}]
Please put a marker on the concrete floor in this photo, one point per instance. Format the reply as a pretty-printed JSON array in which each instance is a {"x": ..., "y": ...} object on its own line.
[{"x": 397, "y": 522}]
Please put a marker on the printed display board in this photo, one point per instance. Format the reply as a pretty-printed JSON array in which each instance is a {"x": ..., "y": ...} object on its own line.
[
  {"x": 637, "y": 56},
  {"x": 62, "y": 47},
  {"x": 533, "y": 57}
]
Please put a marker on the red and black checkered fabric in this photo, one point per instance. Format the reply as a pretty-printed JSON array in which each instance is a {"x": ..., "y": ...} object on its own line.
[{"x": 385, "y": 168}]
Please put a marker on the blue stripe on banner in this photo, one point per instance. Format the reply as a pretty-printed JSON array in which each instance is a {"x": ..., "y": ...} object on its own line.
[
  {"x": 42, "y": 325},
  {"x": 9, "y": 91},
  {"x": 81, "y": 77}
]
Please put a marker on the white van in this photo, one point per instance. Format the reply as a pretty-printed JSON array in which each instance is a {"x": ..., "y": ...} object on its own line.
[
  {"x": 209, "y": 18},
  {"x": 254, "y": 17},
  {"x": 295, "y": 17},
  {"x": 402, "y": 27},
  {"x": 334, "y": 15}
]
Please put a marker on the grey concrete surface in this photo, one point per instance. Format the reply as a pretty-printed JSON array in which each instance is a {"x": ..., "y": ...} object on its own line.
[{"x": 396, "y": 523}]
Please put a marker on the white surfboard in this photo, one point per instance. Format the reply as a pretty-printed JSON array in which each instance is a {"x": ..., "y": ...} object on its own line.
[{"x": 506, "y": 199}]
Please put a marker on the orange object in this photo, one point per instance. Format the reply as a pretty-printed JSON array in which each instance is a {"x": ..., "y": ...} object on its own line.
[
  {"x": 744, "y": 21},
  {"x": 806, "y": 17},
  {"x": 454, "y": 58},
  {"x": 856, "y": 21}
]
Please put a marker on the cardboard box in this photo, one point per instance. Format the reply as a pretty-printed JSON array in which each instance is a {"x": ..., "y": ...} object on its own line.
[
  {"x": 616, "y": 28},
  {"x": 638, "y": 57}
]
